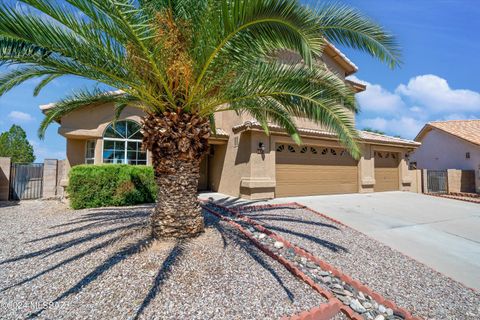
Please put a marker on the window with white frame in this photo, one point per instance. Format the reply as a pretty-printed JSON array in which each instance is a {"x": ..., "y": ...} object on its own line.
[
  {"x": 90, "y": 152},
  {"x": 122, "y": 143}
]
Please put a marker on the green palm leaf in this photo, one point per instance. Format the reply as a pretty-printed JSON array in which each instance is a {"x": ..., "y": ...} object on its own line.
[{"x": 198, "y": 56}]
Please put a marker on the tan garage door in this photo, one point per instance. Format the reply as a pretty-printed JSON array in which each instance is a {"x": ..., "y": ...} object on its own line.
[
  {"x": 386, "y": 171},
  {"x": 309, "y": 170}
]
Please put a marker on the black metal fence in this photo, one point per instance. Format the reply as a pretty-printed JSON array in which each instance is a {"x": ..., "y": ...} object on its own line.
[
  {"x": 437, "y": 181},
  {"x": 26, "y": 181}
]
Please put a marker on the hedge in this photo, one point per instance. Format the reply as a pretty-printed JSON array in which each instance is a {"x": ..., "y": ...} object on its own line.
[{"x": 92, "y": 186}]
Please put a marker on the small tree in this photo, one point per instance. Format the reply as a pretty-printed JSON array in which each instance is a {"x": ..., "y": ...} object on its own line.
[
  {"x": 373, "y": 130},
  {"x": 14, "y": 144}
]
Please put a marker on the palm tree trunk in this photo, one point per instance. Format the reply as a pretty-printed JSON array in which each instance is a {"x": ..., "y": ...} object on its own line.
[
  {"x": 177, "y": 213},
  {"x": 178, "y": 142}
]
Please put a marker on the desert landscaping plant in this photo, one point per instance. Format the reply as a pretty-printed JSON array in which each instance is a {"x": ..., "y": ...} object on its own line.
[
  {"x": 110, "y": 185},
  {"x": 182, "y": 61}
]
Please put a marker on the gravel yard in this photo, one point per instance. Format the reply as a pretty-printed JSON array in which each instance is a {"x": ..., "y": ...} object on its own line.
[
  {"x": 407, "y": 282},
  {"x": 57, "y": 263}
]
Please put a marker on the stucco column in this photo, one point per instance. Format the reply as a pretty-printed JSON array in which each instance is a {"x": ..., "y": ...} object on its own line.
[
  {"x": 424, "y": 180},
  {"x": 5, "y": 164},
  {"x": 405, "y": 174},
  {"x": 366, "y": 169},
  {"x": 260, "y": 183},
  {"x": 98, "y": 151},
  {"x": 49, "y": 189},
  {"x": 477, "y": 178}
]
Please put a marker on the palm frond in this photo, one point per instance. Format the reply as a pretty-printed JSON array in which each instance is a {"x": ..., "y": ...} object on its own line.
[
  {"x": 202, "y": 56},
  {"x": 347, "y": 26},
  {"x": 45, "y": 81},
  {"x": 283, "y": 23},
  {"x": 17, "y": 76}
]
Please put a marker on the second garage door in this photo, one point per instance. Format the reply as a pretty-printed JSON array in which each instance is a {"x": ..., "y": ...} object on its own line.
[
  {"x": 386, "y": 171},
  {"x": 311, "y": 170}
]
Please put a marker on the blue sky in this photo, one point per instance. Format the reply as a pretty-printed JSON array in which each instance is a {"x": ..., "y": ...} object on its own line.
[
  {"x": 439, "y": 76},
  {"x": 437, "y": 81}
]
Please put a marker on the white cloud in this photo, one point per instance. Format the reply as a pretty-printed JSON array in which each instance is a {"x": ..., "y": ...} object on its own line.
[
  {"x": 404, "y": 126},
  {"x": 458, "y": 116},
  {"x": 424, "y": 98},
  {"x": 377, "y": 99},
  {"x": 435, "y": 94},
  {"x": 416, "y": 109},
  {"x": 20, "y": 116}
]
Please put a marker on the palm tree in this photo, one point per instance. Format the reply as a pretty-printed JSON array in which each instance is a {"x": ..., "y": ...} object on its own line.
[{"x": 182, "y": 61}]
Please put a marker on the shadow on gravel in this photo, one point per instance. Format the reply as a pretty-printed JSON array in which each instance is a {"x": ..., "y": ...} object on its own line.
[
  {"x": 263, "y": 217},
  {"x": 161, "y": 276},
  {"x": 231, "y": 236},
  {"x": 97, "y": 230},
  {"x": 284, "y": 218},
  {"x": 4, "y": 204},
  {"x": 234, "y": 202}
]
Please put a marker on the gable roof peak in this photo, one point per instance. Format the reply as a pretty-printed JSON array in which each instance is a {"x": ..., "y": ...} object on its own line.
[{"x": 467, "y": 130}]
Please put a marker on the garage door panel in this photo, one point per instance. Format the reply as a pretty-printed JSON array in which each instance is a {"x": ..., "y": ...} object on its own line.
[
  {"x": 387, "y": 176},
  {"x": 299, "y": 174}
]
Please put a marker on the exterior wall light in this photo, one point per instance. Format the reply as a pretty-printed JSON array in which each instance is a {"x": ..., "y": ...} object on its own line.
[{"x": 261, "y": 148}]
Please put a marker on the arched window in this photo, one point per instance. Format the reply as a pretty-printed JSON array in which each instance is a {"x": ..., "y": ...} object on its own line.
[{"x": 122, "y": 143}]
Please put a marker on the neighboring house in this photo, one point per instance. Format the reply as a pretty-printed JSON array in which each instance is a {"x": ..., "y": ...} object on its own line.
[
  {"x": 451, "y": 144},
  {"x": 245, "y": 162}
]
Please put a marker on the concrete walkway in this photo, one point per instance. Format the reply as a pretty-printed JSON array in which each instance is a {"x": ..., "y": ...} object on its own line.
[{"x": 442, "y": 233}]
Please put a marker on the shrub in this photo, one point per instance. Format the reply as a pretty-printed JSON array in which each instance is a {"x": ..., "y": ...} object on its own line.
[{"x": 105, "y": 185}]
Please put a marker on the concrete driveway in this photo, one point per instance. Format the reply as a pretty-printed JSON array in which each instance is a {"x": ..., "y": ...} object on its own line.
[{"x": 442, "y": 233}]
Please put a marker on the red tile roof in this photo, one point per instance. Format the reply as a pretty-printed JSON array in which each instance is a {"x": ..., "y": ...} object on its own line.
[{"x": 468, "y": 130}]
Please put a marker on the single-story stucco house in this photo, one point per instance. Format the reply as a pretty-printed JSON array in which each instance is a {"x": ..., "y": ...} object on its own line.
[
  {"x": 453, "y": 144},
  {"x": 244, "y": 161}
]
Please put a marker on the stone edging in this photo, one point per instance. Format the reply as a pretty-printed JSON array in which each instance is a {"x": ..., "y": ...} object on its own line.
[
  {"x": 455, "y": 196},
  {"x": 347, "y": 310},
  {"x": 325, "y": 311},
  {"x": 464, "y": 194}
]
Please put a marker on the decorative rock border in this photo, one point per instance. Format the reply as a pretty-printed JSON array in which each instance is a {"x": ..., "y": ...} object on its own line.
[
  {"x": 465, "y": 194},
  {"x": 344, "y": 294},
  {"x": 467, "y": 197},
  {"x": 325, "y": 311}
]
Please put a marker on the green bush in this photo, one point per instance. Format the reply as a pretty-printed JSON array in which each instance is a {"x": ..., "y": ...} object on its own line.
[{"x": 105, "y": 185}]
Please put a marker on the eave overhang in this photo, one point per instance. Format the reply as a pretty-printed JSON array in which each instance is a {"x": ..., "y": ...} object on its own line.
[{"x": 364, "y": 136}]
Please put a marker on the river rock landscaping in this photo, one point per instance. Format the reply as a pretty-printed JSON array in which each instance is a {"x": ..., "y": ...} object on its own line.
[
  {"x": 56, "y": 263},
  {"x": 361, "y": 303},
  {"x": 408, "y": 283},
  {"x": 101, "y": 263}
]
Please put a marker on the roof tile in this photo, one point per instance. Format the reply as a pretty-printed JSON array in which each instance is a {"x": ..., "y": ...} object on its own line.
[{"x": 468, "y": 130}]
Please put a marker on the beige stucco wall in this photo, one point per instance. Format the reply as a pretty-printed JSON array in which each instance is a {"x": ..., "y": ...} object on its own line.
[
  {"x": 75, "y": 152},
  {"x": 461, "y": 180},
  {"x": 442, "y": 151},
  {"x": 50, "y": 169},
  {"x": 366, "y": 169},
  {"x": 90, "y": 123},
  {"x": 229, "y": 161},
  {"x": 417, "y": 181},
  {"x": 235, "y": 168},
  {"x": 5, "y": 164},
  {"x": 239, "y": 170}
]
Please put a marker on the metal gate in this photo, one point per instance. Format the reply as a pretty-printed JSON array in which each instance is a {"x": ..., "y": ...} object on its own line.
[
  {"x": 437, "y": 181},
  {"x": 26, "y": 181}
]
